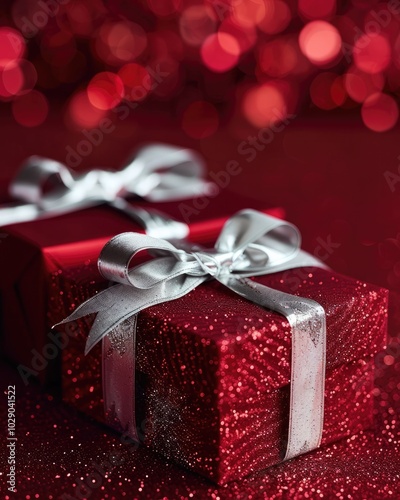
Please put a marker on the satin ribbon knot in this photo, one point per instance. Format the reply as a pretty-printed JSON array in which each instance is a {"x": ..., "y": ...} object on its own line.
[{"x": 250, "y": 244}]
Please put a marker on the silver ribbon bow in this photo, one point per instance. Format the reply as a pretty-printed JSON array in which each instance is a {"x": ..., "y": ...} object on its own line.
[
  {"x": 157, "y": 173},
  {"x": 250, "y": 244}
]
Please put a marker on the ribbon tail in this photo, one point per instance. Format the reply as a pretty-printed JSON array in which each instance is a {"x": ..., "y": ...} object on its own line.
[
  {"x": 116, "y": 304},
  {"x": 112, "y": 306},
  {"x": 307, "y": 382},
  {"x": 104, "y": 299}
]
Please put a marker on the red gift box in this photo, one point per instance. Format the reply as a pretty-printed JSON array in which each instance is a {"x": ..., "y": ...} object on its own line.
[
  {"x": 213, "y": 371},
  {"x": 38, "y": 251}
]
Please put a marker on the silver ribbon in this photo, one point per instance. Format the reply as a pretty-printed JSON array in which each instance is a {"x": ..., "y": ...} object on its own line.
[
  {"x": 157, "y": 173},
  {"x": 250, "y": 244}
]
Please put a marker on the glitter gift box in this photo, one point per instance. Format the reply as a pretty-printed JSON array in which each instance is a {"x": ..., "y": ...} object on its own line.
[
  {"x": 36, "y": 252},
  {"x": 213, "y": 371}
]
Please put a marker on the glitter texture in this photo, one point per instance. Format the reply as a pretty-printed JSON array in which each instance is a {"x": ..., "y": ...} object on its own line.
[
  {"x": 214, "y": 370},
  {"x": 61, "y": 452}
]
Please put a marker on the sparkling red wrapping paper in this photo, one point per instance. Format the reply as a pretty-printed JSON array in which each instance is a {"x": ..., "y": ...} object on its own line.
[
  {"x": 213, "y": 370},
  {"x": 36, "y": 250}
]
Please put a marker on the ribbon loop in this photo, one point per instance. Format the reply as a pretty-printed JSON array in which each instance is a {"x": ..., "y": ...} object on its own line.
[
  {"x": 117, "y": 255},
  {"x": 263, "y": 241},
  {"x": 30, "y": 182}
]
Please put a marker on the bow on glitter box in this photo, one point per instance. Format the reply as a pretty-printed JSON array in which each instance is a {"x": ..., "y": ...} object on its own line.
[
  {"x": 250, "y": 244},
  {"x": 157, "y": 173}
]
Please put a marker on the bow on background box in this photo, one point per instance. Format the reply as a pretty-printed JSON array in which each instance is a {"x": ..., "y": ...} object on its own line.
[
  {"x": 55, "y": 232},
  {"x": 233, "y": 374}
]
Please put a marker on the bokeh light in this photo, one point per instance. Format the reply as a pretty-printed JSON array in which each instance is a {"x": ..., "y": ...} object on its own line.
[
  {"x": 164, "y": 45},
  {"x": 200, "y": 120},
  {"x": 248, "y": 13},
  {"x": 338, "y": 91},
  {"x": 137, "y": 81},
  {"x": 276, "y": 18},
  {"x": 380, "y": 112},
  {"x": 17, "y": 78},
  {"x": 11, "y": 80},
  {"x": 320, "y": 42},
  {"x": 360, "y": 85},
  {"x": 265, "y": 105},
  {"x": 220, "y": 52},
  {"x": 196, "y": 24},
  {"x": 372, "y": 53},
  {"x": 279, "y": 57},
  {"x": 30, "y": 76},
  {"x": 30, "y": 110},
  {"x": 81, "y": 113},
  {"x": 80, "y": 18},
  {"x": 321, "y": 91},
  {"x": 119, "y": 42},
  {"x": 105, "y": 90},
  {"x": 245, "y": 56},
  {"x": 12, "y": 46},
  {"x": 245, "y": 37}
]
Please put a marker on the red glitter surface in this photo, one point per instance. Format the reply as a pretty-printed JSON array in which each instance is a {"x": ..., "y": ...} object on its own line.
[
  {"x": 217, "y": 367},
  {"x": 60, "y": 449}
]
